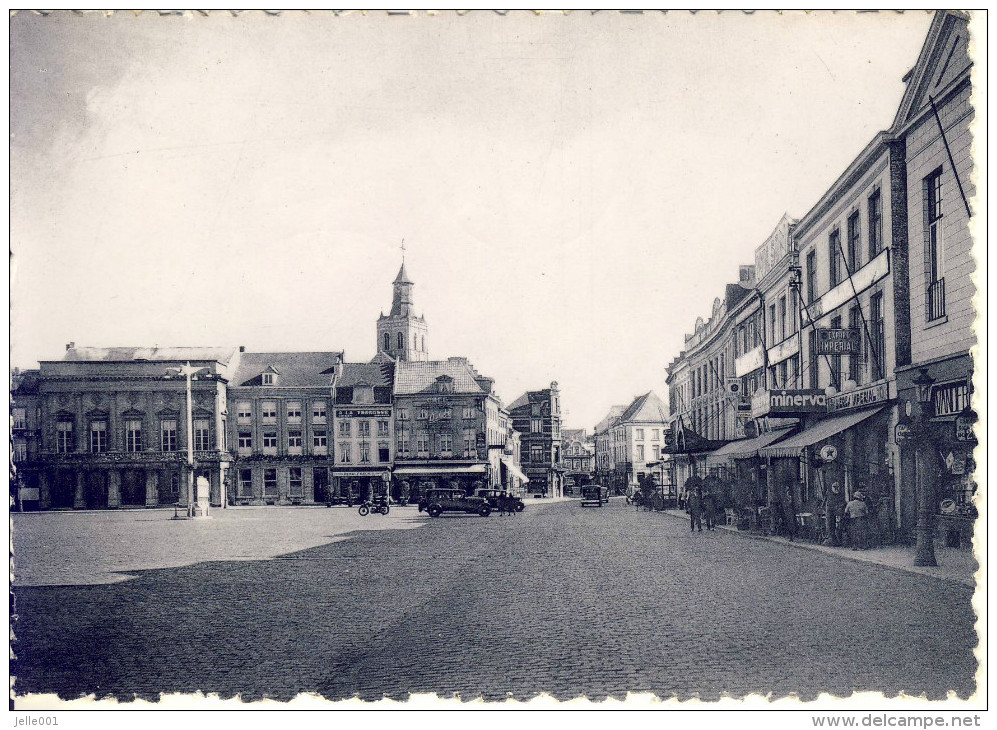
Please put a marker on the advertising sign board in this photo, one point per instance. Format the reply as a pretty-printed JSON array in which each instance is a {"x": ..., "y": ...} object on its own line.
[
  {"x": 838, "y": 341},
  {"x": 788, "y": 402}
]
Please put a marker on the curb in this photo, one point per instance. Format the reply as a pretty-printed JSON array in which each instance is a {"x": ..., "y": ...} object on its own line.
[{"x": 968, "y": 582}]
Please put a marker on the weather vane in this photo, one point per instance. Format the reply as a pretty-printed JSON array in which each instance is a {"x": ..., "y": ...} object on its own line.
[{"x": 403, "y": 250}]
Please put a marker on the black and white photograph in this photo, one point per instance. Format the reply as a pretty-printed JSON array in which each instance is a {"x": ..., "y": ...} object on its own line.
[{"x": 498, "y": 360}]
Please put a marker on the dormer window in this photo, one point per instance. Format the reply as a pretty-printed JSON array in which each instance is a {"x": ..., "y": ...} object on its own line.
[
  {"x": 363, "y": 394},
  {"x": 444, "y": 384},
  {"x": 268, "y": 378}
]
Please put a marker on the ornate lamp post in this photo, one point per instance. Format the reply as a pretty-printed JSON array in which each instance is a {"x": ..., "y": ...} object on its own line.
[{"x": 924, "y": 551}]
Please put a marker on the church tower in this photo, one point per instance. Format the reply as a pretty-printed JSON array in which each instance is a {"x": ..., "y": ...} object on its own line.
[{"x": 401, "y": 334}]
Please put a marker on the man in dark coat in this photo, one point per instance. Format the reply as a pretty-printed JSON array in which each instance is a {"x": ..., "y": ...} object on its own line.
[{"x": 695, "y": 502}]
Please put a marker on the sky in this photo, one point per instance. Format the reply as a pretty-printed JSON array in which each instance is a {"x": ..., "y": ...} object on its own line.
[{"x": 573, "y": 190}]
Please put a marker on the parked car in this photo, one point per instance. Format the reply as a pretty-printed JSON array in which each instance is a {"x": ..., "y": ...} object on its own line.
[
  {"x": 594, "y": 495},
  {"x": 438, "y": 501},
  {"x": 493, "y": 496}
]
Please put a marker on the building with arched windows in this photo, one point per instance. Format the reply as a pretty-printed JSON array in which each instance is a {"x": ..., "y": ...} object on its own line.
[{"x": 401, "y": 334}]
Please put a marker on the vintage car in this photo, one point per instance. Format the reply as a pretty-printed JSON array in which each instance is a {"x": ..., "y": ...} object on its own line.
[
  {"x": 438, "y": 501},
  {"x": 494, "y": 496},
  {"x": 594, "y": 495}
]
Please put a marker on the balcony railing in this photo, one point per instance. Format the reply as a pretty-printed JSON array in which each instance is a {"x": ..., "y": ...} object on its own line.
[{"x": 936, "y": 300}]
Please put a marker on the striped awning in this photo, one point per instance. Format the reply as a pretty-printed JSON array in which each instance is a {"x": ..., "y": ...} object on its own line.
[
  {"x": 439, "y": 470},
  {"x": 511, "y": 466},
  {"x": 745, "y": 448},
  {"x": 821, "y": 431}
]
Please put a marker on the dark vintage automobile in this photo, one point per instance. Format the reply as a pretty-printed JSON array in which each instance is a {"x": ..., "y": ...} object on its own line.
[
  {"x": 438, "y": 501},
  {"x": 494, "y": 497},
  {"x": 594, "y": 495}
]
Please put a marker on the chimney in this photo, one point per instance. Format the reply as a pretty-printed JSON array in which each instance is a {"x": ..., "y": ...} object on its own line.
[
  {"x": 70, "y": 346},
  {"x": 747, "y": 274},
  {"x": 242, "y": 348}
]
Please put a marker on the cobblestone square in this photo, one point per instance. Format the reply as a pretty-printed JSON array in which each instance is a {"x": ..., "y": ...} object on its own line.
[{"x": 558, "y": 599}]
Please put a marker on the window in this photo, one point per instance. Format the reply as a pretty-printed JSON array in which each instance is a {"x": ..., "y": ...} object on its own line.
[
  {"x": 468, "y": 412},
  {"x": 640, "y": 434},
  {"x": 269, "y": 412},
  {"x": 793, "y": 307},
  {"x": 202, "y": 435},
  {"x": 834, "y": 256},
  {"x": 294, "y": 411},
  {"x": 387, "y": 341},
  {"x": 20, "y": 450},
  {"x": 771, "y": 338},
  {"x": 536, "y": 425},
  {"x": 654, "y": 437},
  {"x": 423, "y": 343},
  {"x": 168, "y": 434},
  {"x": 363, "y": 429},
  {"x": 244, "y": 412},
  {"x": 320, "y": 445},
  {"x": 877, "y": 333},
  {"x": 812, "y": 364},
  {"x": 854, "y": 242},
  {"x": 364, "y": 453},
  {"x": 268, "y": 378},
  {"x": 656, "y": 450},
  {"x": 269, "y": 482},
  {"x": 382, "y": 429},
  {"x": 318, "y": 411},
  {"x": 446, "y": 444},
  {"x": 422, "y": 445},
  {"x": 20, "y": 416},
  {"x": 640, "y": 452},
  {"x": 794, "y": 372},
  {"x": 294, "y": 442},
  {"x": 536, "y": 454},
  {"x": 402, "y": 445},
  {"x": 423, "y": 414},
  {"x": 783, "y": 374},
  {"x": 65, "y": 441},
  {"x": 415, "y": 342},
  {"x": 294, "y": 482},
  {"x": 245, "y": 482},
  {"x": 470, "y": 444},
  {"x": 446, "y": 413},
  {"x": 875, "y": 224},
  {"x": 245, "y": 443},
  {"x": 401, "y": 340},
  {"x": 935, "y": 282},
  {"x": 133, "y": 435},
  {"x": 836, "y": 359},
  {"x": 344, "y": 428},
  {"x": 783, "y": 332},
  {"x": 270, "y": 442},
  {"x": 98, "y": 436},
  {"x": 855, "y": 361},
  {"x": 811, "y": 276},
  {"x": 383, "y": 452},
  {"x": 344, "y": 452},
  {"x": 402, "y": 414}
]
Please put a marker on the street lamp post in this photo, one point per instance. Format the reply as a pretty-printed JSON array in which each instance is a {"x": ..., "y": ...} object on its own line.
[
  {"x": 924, "y": 551},
  {"x": 187, "y": 371}
]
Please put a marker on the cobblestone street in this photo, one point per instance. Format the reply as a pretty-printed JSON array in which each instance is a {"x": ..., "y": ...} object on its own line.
[{"x": 559, "y": 598}]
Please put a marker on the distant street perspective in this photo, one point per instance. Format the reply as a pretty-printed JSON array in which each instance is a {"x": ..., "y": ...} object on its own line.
[{"x": 559, "y": 598}]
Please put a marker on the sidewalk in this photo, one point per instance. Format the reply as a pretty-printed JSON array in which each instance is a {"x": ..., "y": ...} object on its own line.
[{"x": 954, "y": 565}]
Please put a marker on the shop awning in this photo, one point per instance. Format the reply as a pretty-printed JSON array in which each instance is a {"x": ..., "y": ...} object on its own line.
[
  {"x": 821, "y": 431},
  {"x": 439, "y": 470},
  {"x": 744, "y": 448},
  {"x": 511, "y": 466}
]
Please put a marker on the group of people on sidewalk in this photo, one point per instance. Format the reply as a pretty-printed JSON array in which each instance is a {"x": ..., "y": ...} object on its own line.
[{"x": 701, "y": 505}]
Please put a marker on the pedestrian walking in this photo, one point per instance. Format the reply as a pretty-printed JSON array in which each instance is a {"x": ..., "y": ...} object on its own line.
[
  {"x": 857, "y": 513},
  {"x": 695, "y": 501},
  {"x": 710, "y": 509}
]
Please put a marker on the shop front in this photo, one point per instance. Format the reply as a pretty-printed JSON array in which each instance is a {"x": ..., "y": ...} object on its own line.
[
  {"x": 814, "y": 473},
  {"x": 415, "y": 480},
  {"x": 937, "y": 438},
  {"x": 361, "y": 485}
]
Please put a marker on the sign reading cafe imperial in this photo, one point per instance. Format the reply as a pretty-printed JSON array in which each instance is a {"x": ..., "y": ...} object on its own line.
[{"x": 857, "y": 398}]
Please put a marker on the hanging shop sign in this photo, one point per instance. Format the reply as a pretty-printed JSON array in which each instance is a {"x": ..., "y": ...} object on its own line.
[
  {"x": 838, "y": 341},
  {"x": 787, "y": 402},
  {"x": 870, "y": 396},
  {"x": 901, "y": 432},
  {"x": 829, "y": 453}
]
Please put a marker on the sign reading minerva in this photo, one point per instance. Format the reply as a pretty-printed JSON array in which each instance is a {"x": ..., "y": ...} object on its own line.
[
  {"x": 838, "y": 341},
  {"x": 788, "y": 402}
]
